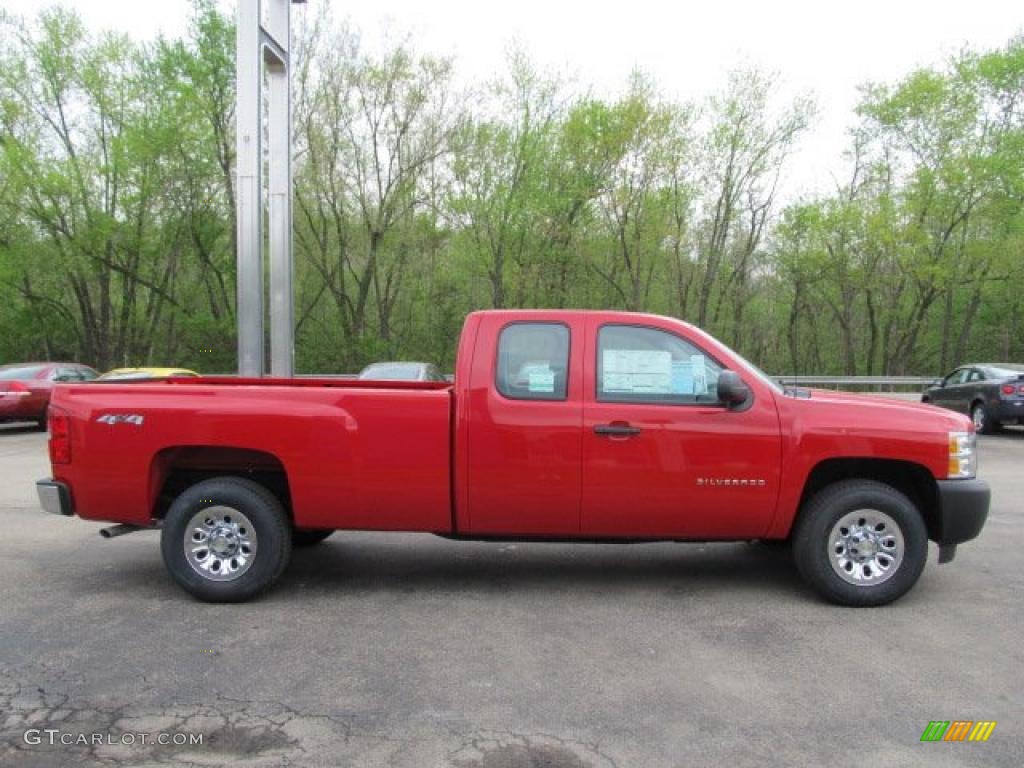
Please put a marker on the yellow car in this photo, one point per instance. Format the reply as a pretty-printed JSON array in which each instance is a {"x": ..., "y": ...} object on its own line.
[{"x": 134, "y": 374}]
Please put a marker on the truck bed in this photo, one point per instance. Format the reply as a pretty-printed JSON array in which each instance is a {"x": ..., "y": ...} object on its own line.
[{"x": 356, "y": 454}]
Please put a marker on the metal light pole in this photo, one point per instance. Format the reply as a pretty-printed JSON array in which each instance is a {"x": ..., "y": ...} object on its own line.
[{"x": 263, "y": 48}]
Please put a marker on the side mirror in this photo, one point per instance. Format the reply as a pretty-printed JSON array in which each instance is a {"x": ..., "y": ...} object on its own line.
[
  {"x": 731, "y": 389},
  {"x": 934, "y": 383}
]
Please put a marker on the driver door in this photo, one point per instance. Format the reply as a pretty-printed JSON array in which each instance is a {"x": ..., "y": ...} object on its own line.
[
  {"x": 662, "y": 457},
  {"x": 956, "y": 393},
  {"x": 946, "y": 394}
]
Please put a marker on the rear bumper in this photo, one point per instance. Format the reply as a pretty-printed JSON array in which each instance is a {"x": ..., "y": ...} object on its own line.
[
  {"x": 1008, "y": 410},
  {"x": 55, "y": 497},
  {"x": 963, "y": 509}
]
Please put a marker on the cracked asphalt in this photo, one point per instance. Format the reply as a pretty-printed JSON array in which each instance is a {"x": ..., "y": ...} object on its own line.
[{"x": 415, "y": 652}]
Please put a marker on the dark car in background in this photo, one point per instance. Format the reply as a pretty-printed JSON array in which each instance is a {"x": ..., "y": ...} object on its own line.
[
  {"x": 402, "y": 371},
  {"x": 25, "y": 388},
  {"x": 992, "y": 394}
]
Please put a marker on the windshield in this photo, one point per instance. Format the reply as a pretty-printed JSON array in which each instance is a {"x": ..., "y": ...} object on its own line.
[
  {"x": 20, "y": 372},
  {"x": 771, "y": 382}
]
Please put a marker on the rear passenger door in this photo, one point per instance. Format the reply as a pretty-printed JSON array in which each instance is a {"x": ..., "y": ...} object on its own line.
[
  {"x": 520, "y": 427},
  {"x": 960, "y": 395},
  {"x": 975, "y": 389}
]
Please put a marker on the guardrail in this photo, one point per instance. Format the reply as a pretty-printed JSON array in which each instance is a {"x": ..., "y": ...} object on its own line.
[{"x": 861, "y": 383}]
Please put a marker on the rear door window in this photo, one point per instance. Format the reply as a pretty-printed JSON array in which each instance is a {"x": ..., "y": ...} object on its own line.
[{"x": 533, "y": 361}]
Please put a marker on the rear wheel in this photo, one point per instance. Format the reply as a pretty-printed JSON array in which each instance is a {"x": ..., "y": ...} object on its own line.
[
  {"x": 983, "y": 423},
  {"x": 860, "y": 543},
  {"x": 226, "y": 539}
]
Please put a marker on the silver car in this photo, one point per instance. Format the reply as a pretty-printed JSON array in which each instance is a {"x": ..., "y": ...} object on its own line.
[{"x": 402, "y": 371}]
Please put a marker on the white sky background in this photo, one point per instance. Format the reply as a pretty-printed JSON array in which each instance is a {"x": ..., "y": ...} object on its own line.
[{"x": 823, "y": 47}]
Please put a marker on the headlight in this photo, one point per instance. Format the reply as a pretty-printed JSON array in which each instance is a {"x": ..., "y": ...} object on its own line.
[{"x": 962, "y": 458}]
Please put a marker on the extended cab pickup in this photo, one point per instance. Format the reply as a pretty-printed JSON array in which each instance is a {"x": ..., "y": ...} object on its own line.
[{"x": 596, "y": 426}]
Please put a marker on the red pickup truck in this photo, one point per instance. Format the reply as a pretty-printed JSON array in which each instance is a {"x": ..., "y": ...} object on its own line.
[{"x": 595, "y": 426}]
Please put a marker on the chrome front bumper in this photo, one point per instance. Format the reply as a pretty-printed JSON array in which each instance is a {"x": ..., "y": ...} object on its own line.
[{"x": 54, "y": 497}]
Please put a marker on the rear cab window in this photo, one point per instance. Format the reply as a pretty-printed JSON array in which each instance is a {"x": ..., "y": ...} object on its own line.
[
  {"x": 533, "y": 361},
  {"x": 20, "y": 372},
  {"x": 640, "y": 364}
]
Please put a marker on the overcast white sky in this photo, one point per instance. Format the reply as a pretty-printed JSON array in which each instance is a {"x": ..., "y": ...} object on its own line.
[{"x": 821, "y": 46}]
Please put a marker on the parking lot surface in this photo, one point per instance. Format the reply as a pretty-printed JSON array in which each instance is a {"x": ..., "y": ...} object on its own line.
[{"x": 413, "y": 652}]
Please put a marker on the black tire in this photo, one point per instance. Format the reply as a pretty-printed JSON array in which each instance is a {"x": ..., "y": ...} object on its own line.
[
  {"x": 309, "y": 537},
  {"x": 984, "y": 424},
  {"x": 265, "y": 514},
  {"x": 812, "y": 546}
]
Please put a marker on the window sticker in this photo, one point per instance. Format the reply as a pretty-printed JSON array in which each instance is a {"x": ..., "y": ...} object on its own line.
[
  {"x": 542, "y": 381},
  {"x": 700, "y": 374},
  {"x": 682, "y": 377},
  {"x": 637, "y": 371},
  {"x": 690, "y": 377},
  {"x": 539, "y": 377}
]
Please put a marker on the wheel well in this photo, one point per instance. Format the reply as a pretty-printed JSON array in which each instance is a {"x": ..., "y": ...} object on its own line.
[
  {"x": 175, "y": 469},
  {"x": 913, "y": 480}
]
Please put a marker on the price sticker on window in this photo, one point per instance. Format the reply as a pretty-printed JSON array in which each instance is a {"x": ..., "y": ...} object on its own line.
[{"x": 541, "y": 381}]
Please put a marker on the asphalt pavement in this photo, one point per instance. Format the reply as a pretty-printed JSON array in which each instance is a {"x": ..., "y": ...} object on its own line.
[{"x": 410, "y": 651}]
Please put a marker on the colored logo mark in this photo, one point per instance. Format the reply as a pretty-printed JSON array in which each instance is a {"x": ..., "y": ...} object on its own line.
[{"x": 958, "y": 730}]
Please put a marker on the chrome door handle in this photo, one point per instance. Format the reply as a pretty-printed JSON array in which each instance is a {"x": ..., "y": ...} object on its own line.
[{"x": 616, "y": 430}]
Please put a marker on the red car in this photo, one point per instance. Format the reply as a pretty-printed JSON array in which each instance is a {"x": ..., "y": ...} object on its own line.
[
  {"x": 25, "y": 388},
  {"x": 560, "y": 425}
]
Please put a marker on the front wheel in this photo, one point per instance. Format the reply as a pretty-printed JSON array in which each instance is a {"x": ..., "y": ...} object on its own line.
[
  {"x": 860, "y": 543},
  {"x": 226, "y": 539}
]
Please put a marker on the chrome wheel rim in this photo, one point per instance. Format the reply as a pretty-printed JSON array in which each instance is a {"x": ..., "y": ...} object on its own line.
[
  {"x": 978, "y": 414},
  {"x": 866, "y": 547},
  {"x": 220, "y": 543}
]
